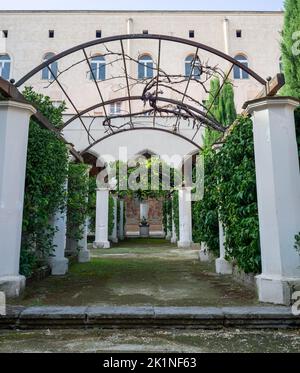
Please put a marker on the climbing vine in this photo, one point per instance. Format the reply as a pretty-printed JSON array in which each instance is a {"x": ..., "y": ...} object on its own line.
[
  {"x": 205, "y": 211},
  {"x": 167, "y": 215},
  {"x": 175, "y": 208},
  {"x": 238, "y": 198},
  {"x": 46, "y": 172},
  {"x": 77, "y": 207},
  {"x": 230, "y": 190},
  {"x": 111, "y": 210}
]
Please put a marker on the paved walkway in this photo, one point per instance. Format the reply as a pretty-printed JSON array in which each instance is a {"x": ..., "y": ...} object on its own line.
[
  {"x": 140, "y": 273},
  {"x": 156, "y": 341}
]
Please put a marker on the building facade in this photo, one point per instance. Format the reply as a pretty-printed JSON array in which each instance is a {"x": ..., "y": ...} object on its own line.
[{"x": 30, "y": 37}]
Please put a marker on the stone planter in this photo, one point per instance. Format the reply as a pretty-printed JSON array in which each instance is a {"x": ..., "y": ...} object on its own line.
[{"x": 144, "y": 230}]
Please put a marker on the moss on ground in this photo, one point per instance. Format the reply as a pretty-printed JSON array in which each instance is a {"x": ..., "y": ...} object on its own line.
[{"x": 148, "y": 272}]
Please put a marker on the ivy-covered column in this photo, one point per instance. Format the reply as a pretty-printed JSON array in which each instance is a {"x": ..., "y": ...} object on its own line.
[
  {"x": 278, "y": 194},
  {"x": 84, "y": 252},
  {"x": 58, "y": 262},
  {"x": 114, "y": 234},
  {"x": 14, "y": 125},
  {"x": 173, "y": 234},
  {"x": 185, "y": 217},
  {"x": 223, "y": 267},
  {"x": 121, "y": 220},
  {"x": 101, "y": 229}
]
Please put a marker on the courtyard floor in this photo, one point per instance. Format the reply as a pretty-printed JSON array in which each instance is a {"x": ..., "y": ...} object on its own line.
[
  {"x": 155, "y": 341},
  {"x": 139, "y": 272}
]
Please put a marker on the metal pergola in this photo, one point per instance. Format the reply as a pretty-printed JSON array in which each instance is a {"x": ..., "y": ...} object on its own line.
[{"x": 155, "y": 94}]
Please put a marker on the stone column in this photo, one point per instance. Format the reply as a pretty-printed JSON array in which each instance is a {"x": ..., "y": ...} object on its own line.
[
  {"x": 144, "y": 210},
  {"x": 58, "y": 262},
  {"x": 114, "y": 235},
  {"x": 174, "y": 234},
  {"x": 84, "y": 252},
  {"x": 278, "y": 194},
  {"x": 121, "y": 223},
  {"x": 14, "y": 125},
  {"x": 101, "y": 229},
  {"x": 185, "y": 217},
  {"x": 223, "y": 267}
]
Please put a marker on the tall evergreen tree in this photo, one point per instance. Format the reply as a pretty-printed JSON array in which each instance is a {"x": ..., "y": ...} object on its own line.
[
  {"x": 222, "y": 108},
  {"x": 290, "y": 48}
]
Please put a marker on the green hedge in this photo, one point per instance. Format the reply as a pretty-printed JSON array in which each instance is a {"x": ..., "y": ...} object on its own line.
[
  {"x": 46, "y": 172},
  {"x": 230, "y": 189},
  {"x": 167, "y": 215},
  {"x": 111, "y": 210},
  {"x": 205, "y": 212},
  {"x": 77, "y": 207},
  {"x": 175, "y": 207}
]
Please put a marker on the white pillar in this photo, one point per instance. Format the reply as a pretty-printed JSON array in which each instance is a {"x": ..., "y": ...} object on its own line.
[
  {"x": 185, "y": 217},
  {"x": 58, "y": 263},
  {"x": 278, "y": 194},
  {"x": 14, "y": 125},
  {"x": 223, "y": 267},
  {"x": 114, "y": 235},
  {"x": 174, "y": 234},
  {"x": 144, "y": 210},
  {"x": 121, "y": 223},
  {"x": 84, "y": 252},
  {"x": 101, "y": 229}
]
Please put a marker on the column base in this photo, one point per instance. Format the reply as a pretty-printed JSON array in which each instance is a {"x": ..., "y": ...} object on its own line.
[
  {"x": 275, "y": 289},
  {"x": 223, "y": 267},
  {"x": 114, "y": 239},
  {"x": 84, "y": 256},
  {"x": 59, "y": 267},
  {"x": 184, "y": 245},
  {"x": 101, "y": 245},
  {"x": 173, "y": 240},
  {"x": 12, "y": 286}
]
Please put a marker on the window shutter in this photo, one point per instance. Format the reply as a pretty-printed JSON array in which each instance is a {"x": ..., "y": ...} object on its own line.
[
  {"x": 141, "y": 71},
  {"x": 6, "y": 70}
]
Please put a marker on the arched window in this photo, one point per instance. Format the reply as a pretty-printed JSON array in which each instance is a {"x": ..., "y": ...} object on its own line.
[
  {"x": 238, "y": 73},
  {"x": 145, "y": 67},
  {"x": 5, "y": 63},
  {"x": 98, "y": 67},
  {"x": 190, "y": 62},
  {"x": 46, "y": 73}
]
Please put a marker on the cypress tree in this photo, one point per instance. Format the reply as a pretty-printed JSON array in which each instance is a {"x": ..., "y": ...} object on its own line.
[{"x": 290, "y": 48}]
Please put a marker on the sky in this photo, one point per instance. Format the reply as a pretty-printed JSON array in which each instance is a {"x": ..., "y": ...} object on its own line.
[{"x": 142, "y": 4}]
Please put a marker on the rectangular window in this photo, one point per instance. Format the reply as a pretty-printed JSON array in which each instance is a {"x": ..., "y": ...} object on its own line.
[
  {"x": 51, "y": 34},
  {"x": 98, "y": 34},
  {"x": 115, "y": 108},
  {"x": 238, "y": 33},
  {"x": 191, "y": 33},
  {"x": 145, "y": 32},
  {"x": 5, "y": 34}
]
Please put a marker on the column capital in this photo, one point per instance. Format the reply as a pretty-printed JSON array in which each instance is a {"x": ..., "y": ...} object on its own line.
[
  {"x": 18, "y": 105},
  {"x": 102, "y": 189},
  {"x": 269, "y": 102}
]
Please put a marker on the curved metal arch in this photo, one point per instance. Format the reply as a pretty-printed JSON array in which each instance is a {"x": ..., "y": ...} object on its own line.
[
  {"x": 203, "y": 115},
  {"x": 141, "y": 36},
  {"x": 139, "y": 129}
]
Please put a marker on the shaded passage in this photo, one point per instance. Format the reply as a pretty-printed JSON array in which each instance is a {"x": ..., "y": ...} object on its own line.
[{"x": 140, "y": 272}]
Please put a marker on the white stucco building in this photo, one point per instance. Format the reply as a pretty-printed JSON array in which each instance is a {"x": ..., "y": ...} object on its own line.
[{"x": 30, "y": 37}]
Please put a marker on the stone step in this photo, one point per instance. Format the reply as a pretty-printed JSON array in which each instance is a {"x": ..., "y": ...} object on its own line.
[{"x": 148, "y": 317}]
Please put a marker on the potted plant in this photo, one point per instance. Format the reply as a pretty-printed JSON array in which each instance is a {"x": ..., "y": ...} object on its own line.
[{"x": 144, "y": 228}]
